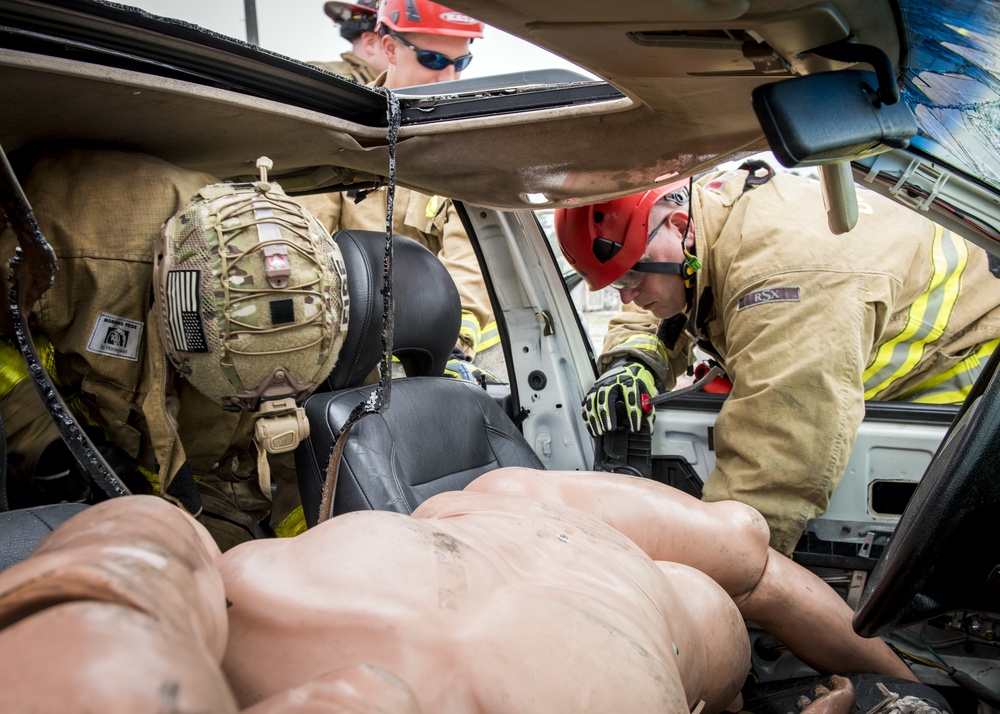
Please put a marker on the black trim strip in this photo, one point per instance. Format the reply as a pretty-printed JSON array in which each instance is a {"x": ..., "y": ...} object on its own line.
[
  {"x": 436, "y": 109},
  {"x": 900, "y": 412}
]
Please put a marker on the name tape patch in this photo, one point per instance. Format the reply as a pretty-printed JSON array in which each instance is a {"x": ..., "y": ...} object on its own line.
[
  {"x": 762, "y": 297},
  {"x": 116, "y": 337}
]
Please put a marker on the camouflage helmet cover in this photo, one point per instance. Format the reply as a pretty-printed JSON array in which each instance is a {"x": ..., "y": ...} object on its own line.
[{"x": 250, "y": 295}]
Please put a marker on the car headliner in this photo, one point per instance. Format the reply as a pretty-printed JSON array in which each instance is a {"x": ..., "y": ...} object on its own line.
[{"x": 679, "y": 65}]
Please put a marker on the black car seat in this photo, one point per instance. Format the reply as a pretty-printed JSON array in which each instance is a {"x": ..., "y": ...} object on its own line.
[
  {"x": 24, "y": 528},
  {"x": 438, "y": 433},
  {"x": 21, "y": 529}
]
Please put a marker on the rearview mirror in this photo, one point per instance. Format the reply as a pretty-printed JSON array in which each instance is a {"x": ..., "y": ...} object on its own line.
[{"x": 830, "y": 117}]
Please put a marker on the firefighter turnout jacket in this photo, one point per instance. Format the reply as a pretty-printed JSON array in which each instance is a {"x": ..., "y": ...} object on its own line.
[
  {"x": 102, "y": 210},
  {"x": 809, "y": 325},
  {"x": 351, "y": 66}
]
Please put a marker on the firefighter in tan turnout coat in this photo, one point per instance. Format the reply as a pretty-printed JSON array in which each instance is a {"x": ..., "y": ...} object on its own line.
[
  {"x": 807, "y": 324},
  {"x": 434, "y": 223},
  {"x": 365, "y": 60},
  {"x": 424, "y": 43},
  {"x": 248, "y": 316}
]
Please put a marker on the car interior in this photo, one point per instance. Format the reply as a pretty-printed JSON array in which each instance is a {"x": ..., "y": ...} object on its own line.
[{"x": 685, "y": 87}]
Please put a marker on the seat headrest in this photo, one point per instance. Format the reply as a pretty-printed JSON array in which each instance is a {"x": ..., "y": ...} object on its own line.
[{"x": 427, "y": 311}]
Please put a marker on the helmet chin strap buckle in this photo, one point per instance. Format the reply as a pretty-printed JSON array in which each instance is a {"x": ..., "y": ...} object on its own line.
[
  {"x": 281, "y": 425},
  {"x": 691, "y": 267}
]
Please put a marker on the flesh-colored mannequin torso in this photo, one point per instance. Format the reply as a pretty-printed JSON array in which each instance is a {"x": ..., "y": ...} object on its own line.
[
  {"x": 529, "y": 591},
  {"x": 468, "y": 609}
]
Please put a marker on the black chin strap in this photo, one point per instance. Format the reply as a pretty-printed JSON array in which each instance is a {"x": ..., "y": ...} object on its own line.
[
  {"x": 661, "y": 268},
  {"x": 690, "y": 265},
  {"x": 687, "y": 269}
]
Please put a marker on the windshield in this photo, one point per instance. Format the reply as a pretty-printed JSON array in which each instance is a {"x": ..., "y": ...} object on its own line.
[{"x": 952, "y": 82}]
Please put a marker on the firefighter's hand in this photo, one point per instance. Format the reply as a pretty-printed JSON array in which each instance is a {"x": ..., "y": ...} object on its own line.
[
  {"x": 838, "y": 700},
  {"x": 629, "y": 383}
]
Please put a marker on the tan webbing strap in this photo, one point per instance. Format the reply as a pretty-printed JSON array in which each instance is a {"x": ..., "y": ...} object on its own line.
[{"x": 167, "y": 447}]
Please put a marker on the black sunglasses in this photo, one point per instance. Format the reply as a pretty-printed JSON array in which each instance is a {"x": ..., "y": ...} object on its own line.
[{"x": 436, "y": 60}]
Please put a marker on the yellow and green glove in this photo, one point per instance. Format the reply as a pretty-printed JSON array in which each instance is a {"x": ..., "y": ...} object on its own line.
[
  {"x": 458, "y": 367},
  {"x": 628, "y": 383}
]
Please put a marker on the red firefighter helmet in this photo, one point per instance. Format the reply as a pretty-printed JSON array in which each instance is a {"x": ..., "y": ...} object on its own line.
[
  {"x": 341, "y": 12},
  {"x": 428, "y": 18},
  {"x": 604, "y": 241},
  {"x": 354, "y": 18}
]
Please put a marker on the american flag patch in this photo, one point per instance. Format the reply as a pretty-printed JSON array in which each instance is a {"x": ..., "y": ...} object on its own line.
[{"x": 184, "y": 310}]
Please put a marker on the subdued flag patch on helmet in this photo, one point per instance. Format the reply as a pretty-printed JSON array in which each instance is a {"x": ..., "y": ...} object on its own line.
[
  {"x": 183, "y": 302},
  {"x": 250, "y": 295}
]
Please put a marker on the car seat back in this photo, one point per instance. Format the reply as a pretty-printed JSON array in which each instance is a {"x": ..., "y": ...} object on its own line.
[{"x": 438, "y": 433}]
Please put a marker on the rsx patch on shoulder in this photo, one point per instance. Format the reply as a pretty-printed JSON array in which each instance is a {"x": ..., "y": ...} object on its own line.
[{"x": 761, "y": 297}]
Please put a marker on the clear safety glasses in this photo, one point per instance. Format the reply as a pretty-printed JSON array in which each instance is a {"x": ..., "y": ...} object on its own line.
[
  {"x": 631, "y": 279},
  {"x": 435, "y": 60}
]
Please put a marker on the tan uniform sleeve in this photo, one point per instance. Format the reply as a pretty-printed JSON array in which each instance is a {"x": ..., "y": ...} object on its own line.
[
  {"x": 326, "y": 207},
  {"x": 350, "y": 66},
  {"x": 785, "y": 433},
  {"x": 458, "y": 256},
  {"x": 633, "y": 334},
  {"x": 29, "y": 429}
]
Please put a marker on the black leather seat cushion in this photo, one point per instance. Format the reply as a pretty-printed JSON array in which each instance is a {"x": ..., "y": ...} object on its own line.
[{"x": 438, "y": 435}]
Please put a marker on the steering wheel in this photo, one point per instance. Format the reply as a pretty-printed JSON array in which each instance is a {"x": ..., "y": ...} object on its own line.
[{"x": 945, "y": 553}]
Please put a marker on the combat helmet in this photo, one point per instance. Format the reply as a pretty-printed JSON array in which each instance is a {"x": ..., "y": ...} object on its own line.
[{"x": 250, "y": 297}]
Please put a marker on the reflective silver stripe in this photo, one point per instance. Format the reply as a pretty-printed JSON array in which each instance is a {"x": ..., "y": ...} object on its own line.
[
  {"x": 953, "y": 385},
  {"x": 926, "y": 318},
  {"x": 470, "y": 328},
  {"x": 490, "y": 336}
]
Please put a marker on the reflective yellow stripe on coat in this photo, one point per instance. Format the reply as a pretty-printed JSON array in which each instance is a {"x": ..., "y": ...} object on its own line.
[
  {"x": 646, "y": 343},
  {"x": 481, "y": 338},
  {"x": 13, "y": 368},
  {"x": 926, "y": 319},
  {"x": 953, "y": 385}
]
